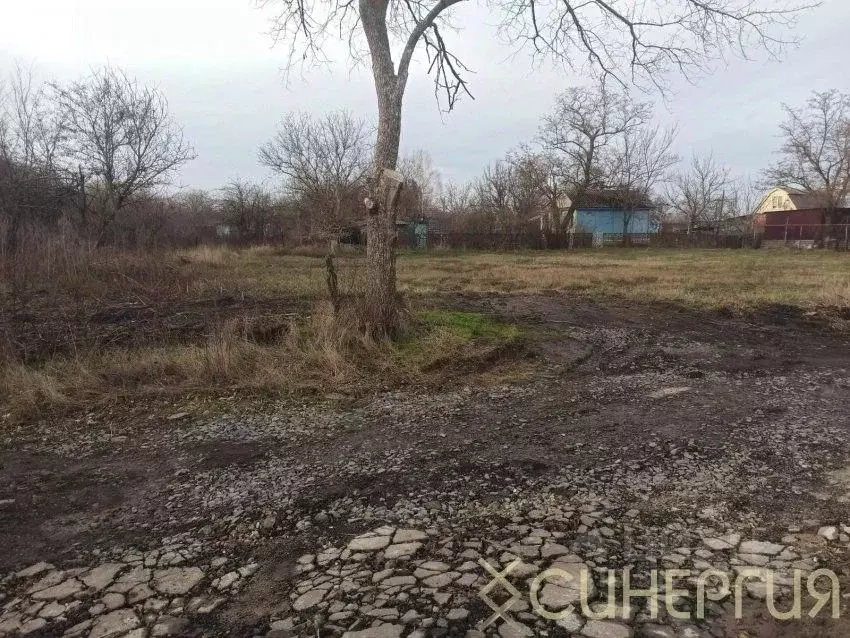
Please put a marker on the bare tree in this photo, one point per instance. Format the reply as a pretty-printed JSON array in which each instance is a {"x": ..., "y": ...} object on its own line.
[
  {"x": 513, "y": 191},
  {"x": 534, "y": 184},
  {"x": 615, "y": 38},
  {"x": 119, "y": 140},
  {"x": 323, "y": 163},
  {"x": 455, "y": 204},
  {"x": 422, "y": 183},
  {"x": 708, "y": 196},
  {"x": 639, "y": 163},
  {"x": 248, "y": 208},
  {"x": 695, "y": 193},
  {"x": 581, "y": 130},
  {"x": 815, "y": 154},
  {"x": 493, "y": 198},
  {"x": 31, "y": 190}
]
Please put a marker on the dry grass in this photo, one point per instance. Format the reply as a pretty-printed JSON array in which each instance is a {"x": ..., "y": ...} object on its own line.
[
  {"x": 708, "y": 279},
  {"x": 297, "y": 351},
  {"x": 324, "y": 352}
]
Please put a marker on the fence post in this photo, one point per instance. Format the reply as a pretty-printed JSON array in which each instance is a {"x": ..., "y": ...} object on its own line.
[
  {"x": 846, "y": 244},
  {"x": 786, "y": 232}
]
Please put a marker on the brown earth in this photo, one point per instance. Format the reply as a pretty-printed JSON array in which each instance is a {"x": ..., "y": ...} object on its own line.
[{"x": 758, "y": 413}]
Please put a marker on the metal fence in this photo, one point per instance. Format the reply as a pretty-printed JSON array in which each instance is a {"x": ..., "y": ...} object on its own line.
[
  {"x": 807, "y": 235},
  {"x": 790, "y": 235},
  {"x": 566, "y": 241}
]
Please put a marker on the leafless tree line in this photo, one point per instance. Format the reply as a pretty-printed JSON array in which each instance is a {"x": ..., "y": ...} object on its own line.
[
  {"x": 616, "y": 40},
  {"x": 94, "y": 153},
  {"x": 815, "y": 152},
  {"x": 82, "y": 153}
]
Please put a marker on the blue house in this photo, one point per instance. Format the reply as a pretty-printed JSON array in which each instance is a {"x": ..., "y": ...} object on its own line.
[{"x": 602, "y": 212}]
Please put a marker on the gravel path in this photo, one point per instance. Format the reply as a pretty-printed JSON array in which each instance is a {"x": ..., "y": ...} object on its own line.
[{"x": 642, "y": 441}]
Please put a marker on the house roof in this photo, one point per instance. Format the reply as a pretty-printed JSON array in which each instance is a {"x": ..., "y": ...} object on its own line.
[
  {"x": 610, "y": 198},
  {"x": 804, "y": 201}
]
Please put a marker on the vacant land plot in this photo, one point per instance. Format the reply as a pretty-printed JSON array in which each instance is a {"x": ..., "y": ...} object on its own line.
[
  {"x": 215, "y": 320},
  {"x": 742, "y": 280},
  {"x": 598, "y": 410}
]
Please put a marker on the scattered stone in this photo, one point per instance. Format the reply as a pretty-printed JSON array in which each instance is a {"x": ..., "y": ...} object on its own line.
[
  {"x": 177, "y": 581},
  {"x": 382, "y": 631},
  {"x": 113, "y": 601},
  {"x": 368, "y": 543},
  {"x": 514, "y": 630},
  {"x": 58, "y": 592},
  {"x": 457, "y": 614},
  {"x": 34, "y": 570},
  {"x": 226, "y": 581},
  {"x": 169, "y": 626},
  {"x": 830, "y": 533},
  {"x": 100, "y": 577},
  {"x": 760, "y": 547},
  {"x": 114, "y": 624},
  {"x": 401, "y": 550},
  {"x": 409, "y": 536},
  {"x": 605, "y": 629},
  {"x": 663, "y": 393},
  {"x": 309, "y": 599},
  {"x": 31, "y": 626}
]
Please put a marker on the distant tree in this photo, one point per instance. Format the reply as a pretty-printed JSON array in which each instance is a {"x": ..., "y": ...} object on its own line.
[
  {"x": 249, "y": 208},
  {"x": 422, "y": 183},
  {"x": 815, "y": 153},
  {"x": 119, "y": 140},
  {"x": 617, "y": 38},
  {"x": 514, "y": 190},
  {"x": 323, "y": 162},
  {"x": 545, "y": 174},
  {"x": 706, "y": 195},
  {"x": 455, "y": 204},
  {"x": 493, "y": 198},
  {"x": 581, "y": 131},
  {"x": 31, "y": 188},
  {"x": 532, "y": 192},
  {"x": 695, "y": 193},
  {"x": 639, "y": 163}
]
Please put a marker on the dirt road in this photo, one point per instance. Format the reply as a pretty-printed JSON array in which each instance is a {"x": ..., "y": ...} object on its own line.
[{"x": 646, "y": 438}]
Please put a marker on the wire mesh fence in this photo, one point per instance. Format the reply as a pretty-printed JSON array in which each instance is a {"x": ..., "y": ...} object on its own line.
[
  {"x": 567, "y": 241},
  {"x": 835, "y": 236}
]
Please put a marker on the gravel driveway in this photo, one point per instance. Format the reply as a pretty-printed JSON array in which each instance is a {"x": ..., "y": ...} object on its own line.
[{"x": 645, "y": 438}]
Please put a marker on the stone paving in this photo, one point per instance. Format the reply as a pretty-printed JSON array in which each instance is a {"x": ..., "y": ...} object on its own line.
[
  {"x": 131, "y": 594},
  {"x": 387, "y": 519},
  {"x": 419, "y": 582}
]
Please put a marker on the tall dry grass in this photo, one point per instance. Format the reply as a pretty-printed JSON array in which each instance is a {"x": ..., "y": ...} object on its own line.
[{"x": 326, "y": 351}]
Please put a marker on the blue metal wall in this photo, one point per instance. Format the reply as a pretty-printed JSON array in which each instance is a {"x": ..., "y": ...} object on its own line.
[{"x": 610, "y": 220}]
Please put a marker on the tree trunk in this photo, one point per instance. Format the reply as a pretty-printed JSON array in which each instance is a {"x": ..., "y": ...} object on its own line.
[{"x": 381, "y": 296}]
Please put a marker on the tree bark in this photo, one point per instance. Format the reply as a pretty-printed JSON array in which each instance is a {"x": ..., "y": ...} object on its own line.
[{"x": 381, "y": 297}]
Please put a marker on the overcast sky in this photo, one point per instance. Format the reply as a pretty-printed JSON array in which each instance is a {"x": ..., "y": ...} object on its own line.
[{"x": 216, "y": 65}]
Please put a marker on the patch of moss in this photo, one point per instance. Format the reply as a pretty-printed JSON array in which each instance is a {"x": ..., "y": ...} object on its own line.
[{"x": 468, "y": 325}]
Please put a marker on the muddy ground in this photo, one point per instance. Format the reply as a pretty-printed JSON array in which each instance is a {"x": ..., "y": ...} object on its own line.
[{"x": 644, "y": 437}]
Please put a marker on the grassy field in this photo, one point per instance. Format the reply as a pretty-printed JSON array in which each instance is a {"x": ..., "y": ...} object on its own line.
[
  {"x": 214, "y": 320},
  {"x": 737, "y": 279},
  {"x": 711, "y": 279}
]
